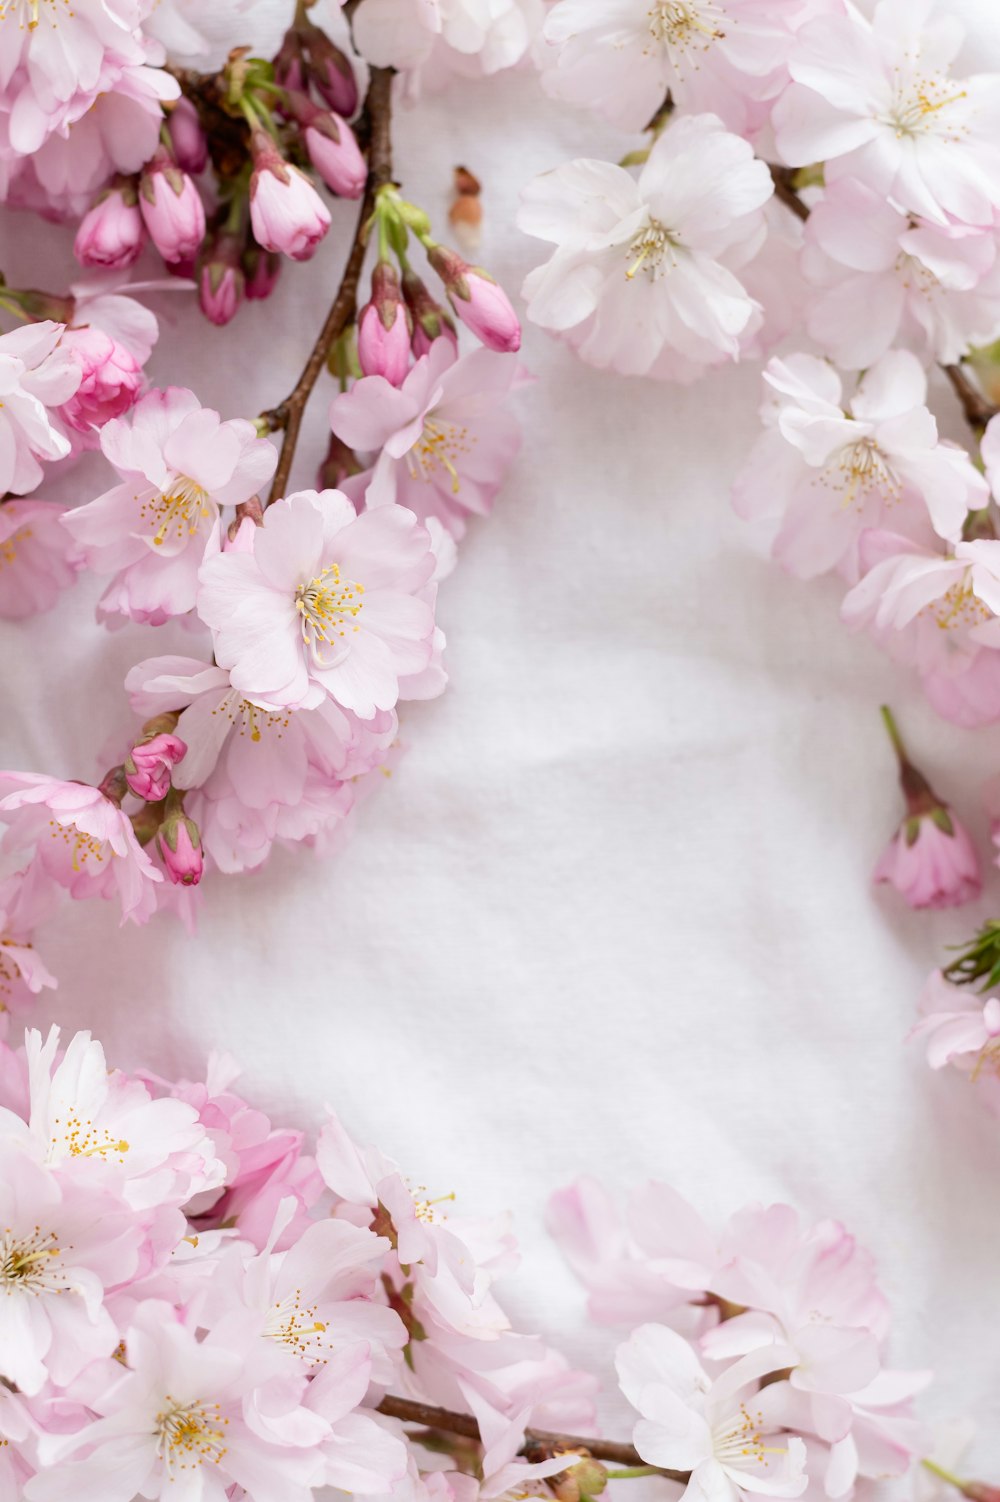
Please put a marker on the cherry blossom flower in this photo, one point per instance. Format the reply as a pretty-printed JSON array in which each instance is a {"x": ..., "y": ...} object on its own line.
[
  {"x": 827, "y": 469},
  {"x": 883, "y": 278},
  {"x": 36, "y": 375},
  {"x": 931, "y": 861},
  {"x": 622, "y": 59},
  {"x": 444, "y": 440},
  {"x": 325, "y": 604},
  {"x": 878, "y": 100},
  {"x": 179, "y": 464},
  {"x": 640, "y": 267},
  {"x": 79, "y": 838},
  {"x": 435, "y": 39},
  {"x": 24, "y": 902},
  {"x": 111, "y": 379},
  {"x": 711, "y": 1429},
  {"x": 962, "y": 1029},
  {"x": 38, "y": 558},
  {"x": 937, "y": 612},
  {"x": 111, "y": 232},
  {"x": 286, "y": 212}
]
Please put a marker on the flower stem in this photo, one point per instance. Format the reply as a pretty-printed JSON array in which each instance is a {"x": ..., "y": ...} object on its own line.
[
  {"x": 892, "y": 730},
  {"x": 628, "y": 1472},
  {"x": 939, "y": 1470}
]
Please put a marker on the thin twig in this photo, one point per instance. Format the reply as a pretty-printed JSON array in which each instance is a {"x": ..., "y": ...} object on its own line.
[
  {"x": 535, "y": 1440},
  {"x": 289, "y": 413},
  {"x": 977, "y": 409}
]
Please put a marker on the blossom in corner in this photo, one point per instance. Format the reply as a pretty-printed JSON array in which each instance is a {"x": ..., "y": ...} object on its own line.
[
  {"x": 179, "y": 464},
  {"x": 79, "y": 838},
  {"x": 831, "y": 465},
  {"x": 324, "y": 605},
  {"x": 639, "y": 281},
  {"x": 38, "y": 558},
  {"x": 961, "y": 1028},
  {"x": 444, "y": 439},
  {"x": 36, "y": 375},
  {"x": 712, "y": 1429}
]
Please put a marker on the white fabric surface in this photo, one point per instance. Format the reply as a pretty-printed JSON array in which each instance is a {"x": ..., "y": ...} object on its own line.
[{"x": 612, "y": 913}]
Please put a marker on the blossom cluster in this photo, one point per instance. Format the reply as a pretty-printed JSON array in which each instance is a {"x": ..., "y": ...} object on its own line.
[{"x": 195, "y": 1303}]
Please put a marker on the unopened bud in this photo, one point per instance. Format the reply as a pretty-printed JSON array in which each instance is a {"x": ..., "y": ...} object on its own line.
[
  {"x": 171, "y": 208},
  {"x": 330, "y": 71},
  {"x": 149, "y": 764},
  {"x": 111, "y": 231},
  {"x": 261, "y": 269},
  {"x": 430, "y": 320},
  {"x": 179, "y": 840},
  {"x": 586, "y": 1479},
  {"x": 221, "y": 284},
  {"x": 286, "y": 212},
  {"x": 290, "y": 63},
  {"x": 187, "y": 137},
  {"x": 384, "y": 328},
  {"x": 481, "y": 304},
  {"x": 981, "y": 1491}
]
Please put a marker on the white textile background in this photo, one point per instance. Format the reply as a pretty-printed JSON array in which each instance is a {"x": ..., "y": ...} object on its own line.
[{"x": 612, "y": 912}]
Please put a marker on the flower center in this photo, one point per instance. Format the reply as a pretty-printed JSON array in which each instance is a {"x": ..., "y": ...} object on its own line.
[
  {"x": 10, "y": 970},
  {"x": 30, "y": 1264},
  {"x": 189, "y": 1434},
  {"x": 81, "y": 846},
  {"x": 81, "y": 1139},
  {"x": 653, "y": 251},
  {"x": 739, "y": 1442},
  {"x": 861, "y": 471},
  {"x": 685, "y": 26},
  {"x": 294, "y": 1324},
  {"x": 25, "y": 12},
  {"x": 960, "y": 608},
  {"x": 249, "y": 719},
  {"x": 178, "y": 511},
  {"x": 8, "y": 548},
  {"x": 921, "y": 107},
  {"x": 328, "y": 607},
  {"x": 439, "y": 447},
  {"x": 426, "y": 1210}
]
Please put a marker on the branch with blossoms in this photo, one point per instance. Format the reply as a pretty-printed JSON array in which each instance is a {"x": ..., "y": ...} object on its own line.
[
  {"x": 192, "y": 1292},
  {"x": 314, "y": 611}
]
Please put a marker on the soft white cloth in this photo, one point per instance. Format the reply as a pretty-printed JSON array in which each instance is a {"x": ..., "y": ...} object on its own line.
[{"x": 612, "y": 913}]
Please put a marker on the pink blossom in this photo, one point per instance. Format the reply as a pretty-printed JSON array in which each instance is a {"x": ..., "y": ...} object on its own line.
[
  {"x": 149, "y": 765},
  {"x": 384, "y": 328},
  {"x": 80, "y": 838},
  {"x": 481, "y": 304},
  {"x": 171, "y": 208},
  {"x": 36, "y": 375},
  {"x": 962, "y": 1029},
  {"x": 38, "y": 558},
  {"x": 334, "y": 152},
  {"x": 444, "y": 440},
  {"x": 179, "y": 464},
  {"x": 325, "y": 604},
  {"x": 938, "y": 612},
  {"x": 330, "y": 72},
  {"x": 831, "y": 465},
  {"x": 286, "y": 212},
  {"x": 112, "y": 379},
  {"x": 25, "y": 901},
  {"x": 111, "y": 233},
  {"x": 262, "y": 269},
  {"x": 931, "y": 861}
]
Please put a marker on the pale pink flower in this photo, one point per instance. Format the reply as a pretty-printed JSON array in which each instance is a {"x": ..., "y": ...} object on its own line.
[
  {"x": 171, "y": 208},
  {"x": 878, "y": 98},
  {"x": 690, "y": 1423},
  {"x": 830, "y": 466},
  {"x": 179, "y": 464},
  {"x": 81, "y": 839},
  {"x": 938, "y": 612},
  {"x": 38, "y": 558},
  {"x": 962, "y": 1029},
  {"x": 111, "y": 232},
  {"x": 240, "y": 836},
  {"x": 325, "y": 605},
  {"x": 444, "y": 439},
  {"x": 24, "y": 902},
  {"x": 63, "y": 1244},
  {"x": 884, "y": 278},
  {"x": 112, "y": 379},
  {"x": 461, "y": 36},
  {"x": 36, "y": 375},
  {"x": 286, "y": 212},
  {"x": 931, "y": 861},
  {"x": 642, "y": 267},
  {"x": 184, "y": 1407},
  {"x": 622, "y": 58},
  {"x": 264, "y": 756}
]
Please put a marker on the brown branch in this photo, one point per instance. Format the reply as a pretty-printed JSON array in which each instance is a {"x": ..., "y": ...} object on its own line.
[
  {"x": 977, "y": 409},
  {"x": 535, "y": 1440},
  {"x": 289, "y": 413}
]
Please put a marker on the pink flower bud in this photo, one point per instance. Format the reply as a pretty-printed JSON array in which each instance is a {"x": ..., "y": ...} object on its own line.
[
  {"x": 112, "y": 379},
  {"x": 111, "y": 231},
  {"x": 481, "y": 304},
  {"x": 981, "y": 1491},
  {"x": 336, "y": 155},
  {"x": 172, "y": 209},
  {"x": 187, "y": 137},
  {"x": 331, "y": 72},
  {"x": 149, "y": 763},
  {"x": 220, "y": 280},
  {"x": 384, "y": 328},
  {"x": 290, "y": 63},
  {"x": 179, "y": 840},
  {"x": 261, "y": 269},
  {"x": 430, "y": 321},
  {"x": 286, "y": 212}
]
